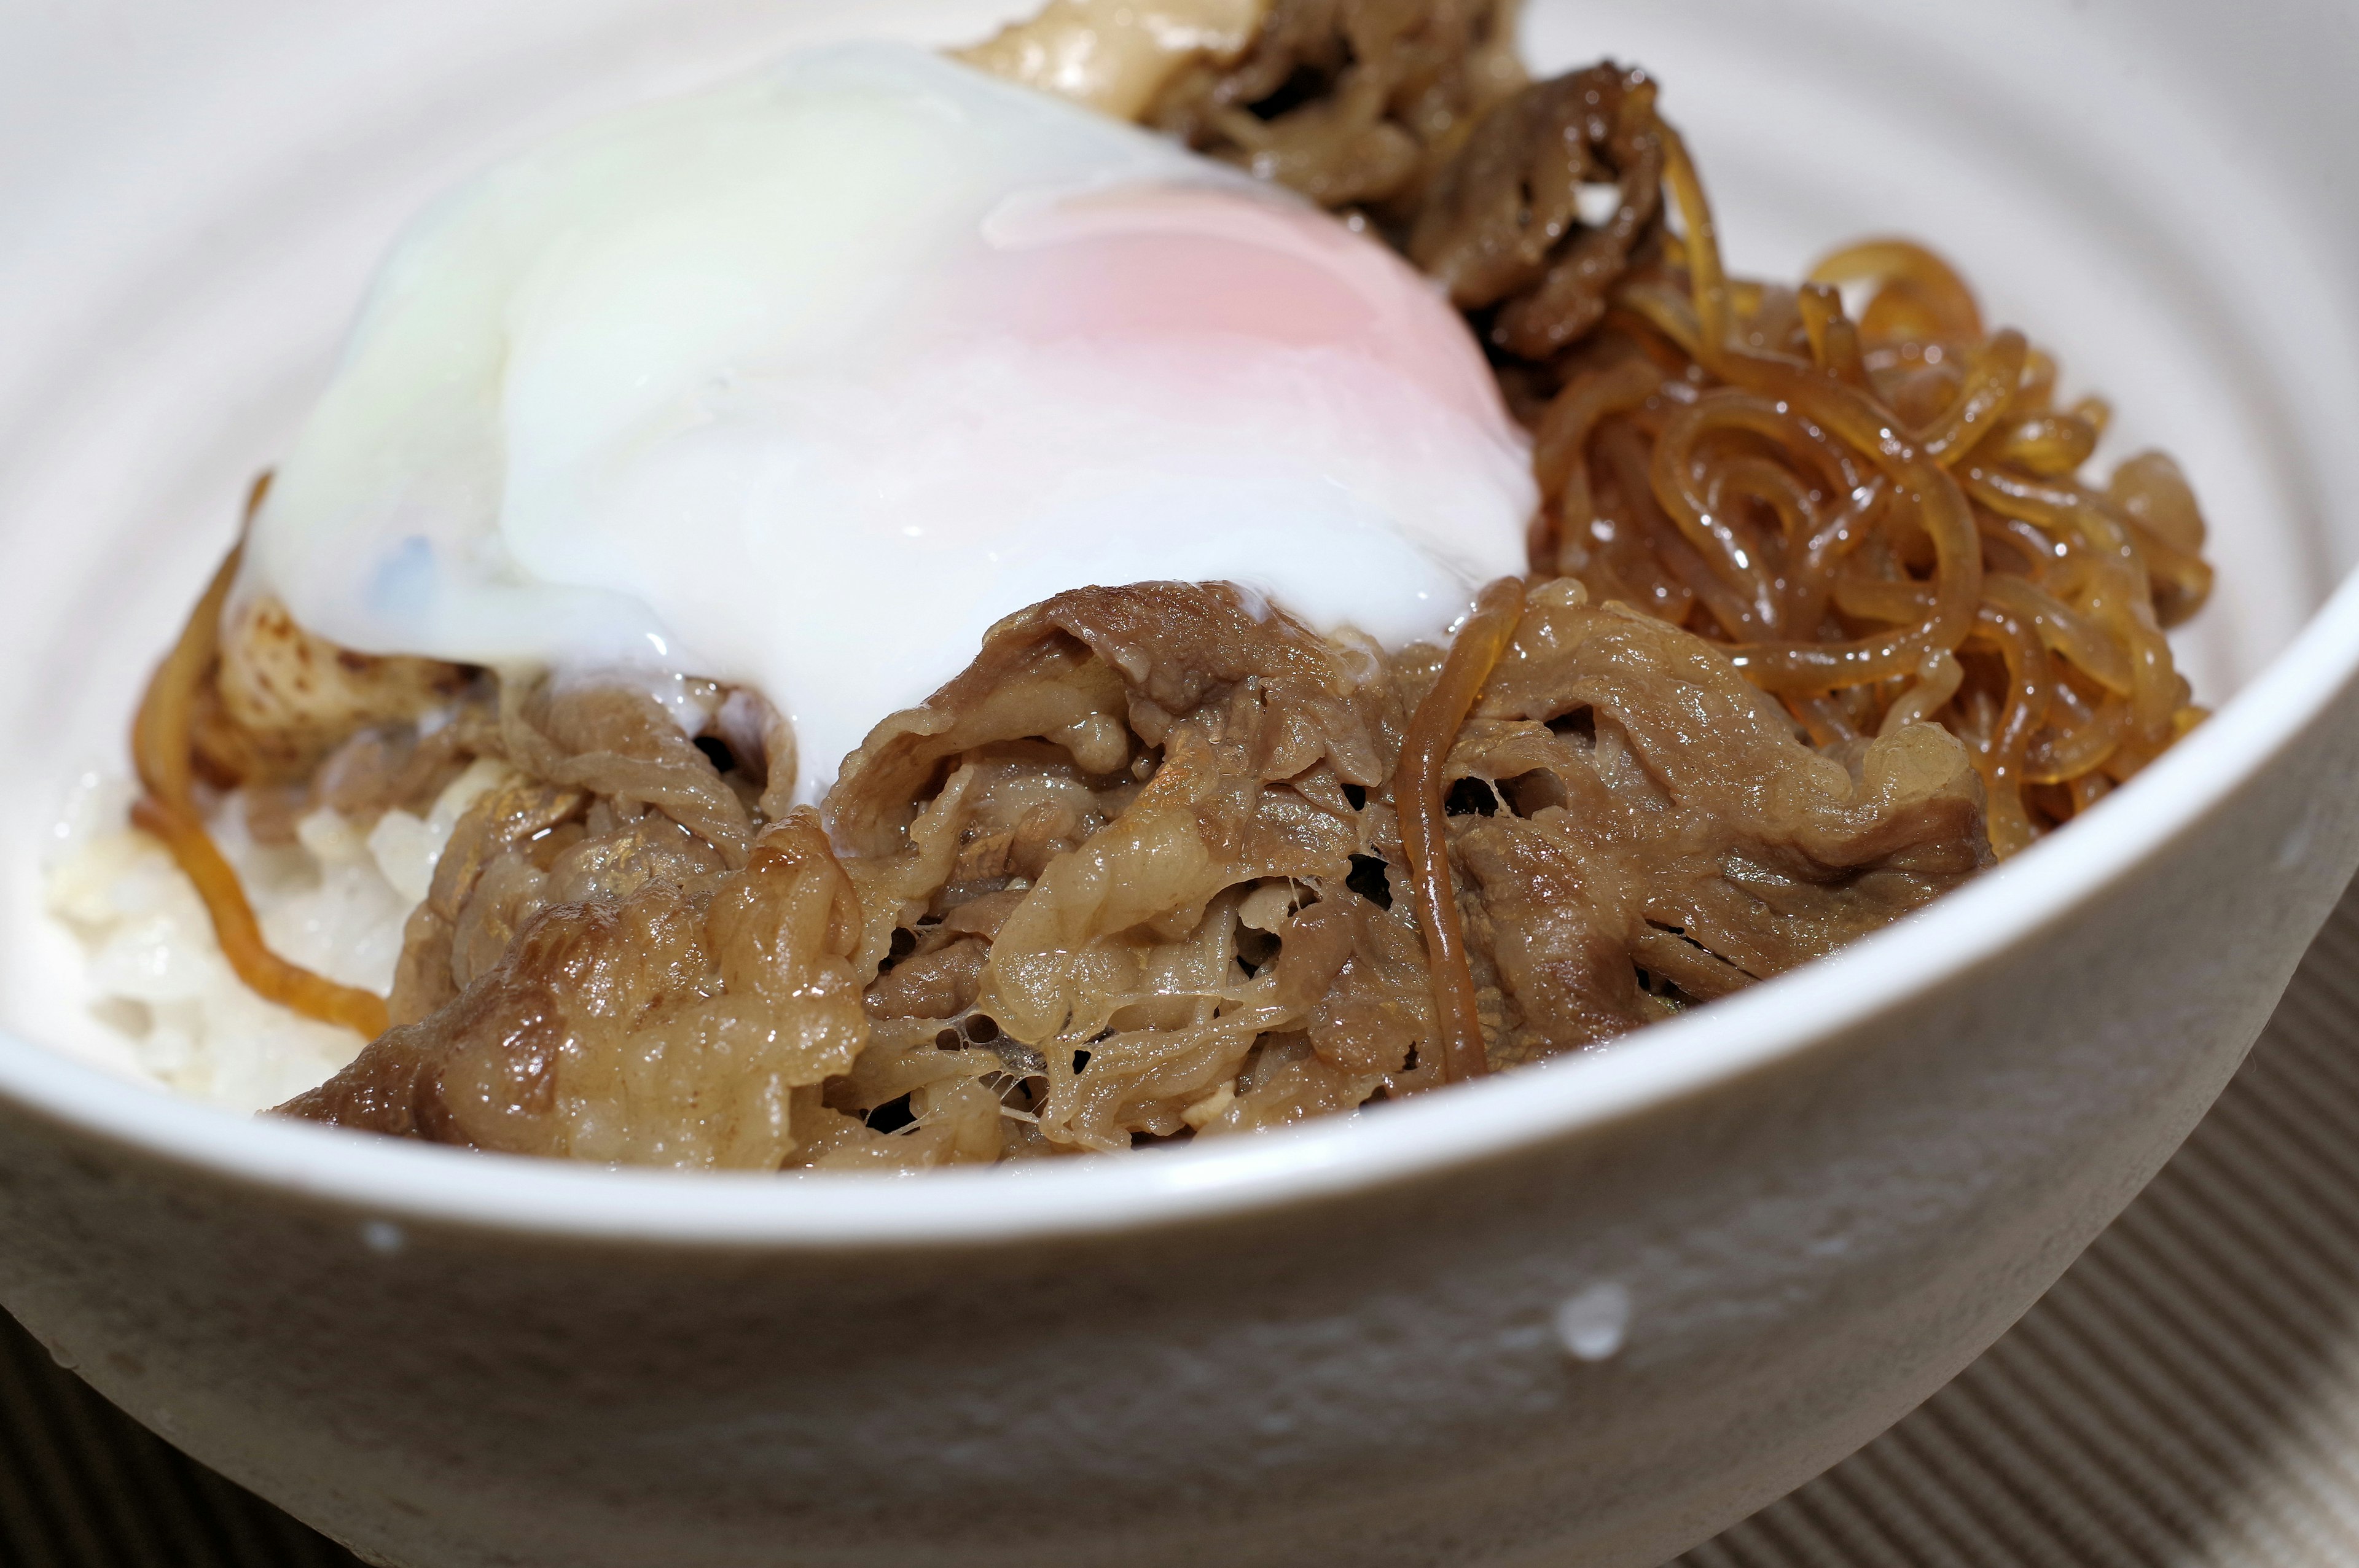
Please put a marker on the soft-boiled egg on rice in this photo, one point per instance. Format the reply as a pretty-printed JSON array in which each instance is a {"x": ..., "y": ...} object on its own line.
[{"x": 803, "y": 382}]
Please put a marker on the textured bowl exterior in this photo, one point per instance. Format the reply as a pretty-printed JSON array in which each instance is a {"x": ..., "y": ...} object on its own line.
[
  {"x": 1621, "y": 1324},
  {"x": 1807, "y": 1251}
]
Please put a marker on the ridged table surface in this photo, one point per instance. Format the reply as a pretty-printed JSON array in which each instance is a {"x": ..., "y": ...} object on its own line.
[{"x": 2188, "y": 1395}]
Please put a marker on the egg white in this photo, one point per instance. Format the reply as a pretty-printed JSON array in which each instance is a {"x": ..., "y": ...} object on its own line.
[{"x": 803, "y": 382}]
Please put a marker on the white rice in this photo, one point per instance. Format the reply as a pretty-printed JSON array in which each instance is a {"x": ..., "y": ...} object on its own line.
[{"x": 334, "y": 902}]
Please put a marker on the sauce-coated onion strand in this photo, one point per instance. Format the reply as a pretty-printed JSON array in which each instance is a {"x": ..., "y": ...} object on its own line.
[
  {"x": 161, "y": 750},
  {"x": 1416, "y": 796}
]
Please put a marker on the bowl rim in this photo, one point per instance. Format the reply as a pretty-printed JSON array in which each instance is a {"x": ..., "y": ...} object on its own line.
[{"x": 387, "y": 1183}]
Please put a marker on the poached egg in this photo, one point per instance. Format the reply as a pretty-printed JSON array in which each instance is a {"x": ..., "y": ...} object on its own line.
[{"x": 803, "y": 382}]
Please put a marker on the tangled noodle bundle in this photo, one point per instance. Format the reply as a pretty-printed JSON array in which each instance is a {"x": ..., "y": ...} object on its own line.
[
  {"x": 1880, "y": 518},
  {"x": 1821, "y": 619}
]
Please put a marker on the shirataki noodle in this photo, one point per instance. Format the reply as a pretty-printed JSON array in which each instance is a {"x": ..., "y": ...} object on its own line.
[{"x": 1879, "y": 519}]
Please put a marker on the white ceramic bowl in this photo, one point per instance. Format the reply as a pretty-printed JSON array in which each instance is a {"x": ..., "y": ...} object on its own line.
[{"x": 1586, "y": 1313}]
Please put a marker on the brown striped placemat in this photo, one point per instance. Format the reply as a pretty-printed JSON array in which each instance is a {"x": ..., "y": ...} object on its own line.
[{"x": 2186, "y": 1397}]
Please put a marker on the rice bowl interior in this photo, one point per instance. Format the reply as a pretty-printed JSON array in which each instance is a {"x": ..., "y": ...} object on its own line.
[{"x": 2143, "y": 326}]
